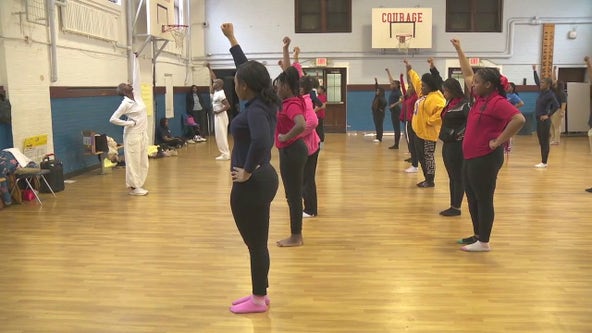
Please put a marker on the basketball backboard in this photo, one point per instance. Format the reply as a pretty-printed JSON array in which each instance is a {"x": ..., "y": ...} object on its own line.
[
  {"x": 159, "y": 13},
  {"x": 388, "y": 24}
]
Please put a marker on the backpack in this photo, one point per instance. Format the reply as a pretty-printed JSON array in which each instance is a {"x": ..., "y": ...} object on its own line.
[{"x": 5, "y": 114}]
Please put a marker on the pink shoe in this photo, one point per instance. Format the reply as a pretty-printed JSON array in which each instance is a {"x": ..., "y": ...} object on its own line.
[
  {"x": 246, "y": 298},
  {"x": 248, "y": 307}
]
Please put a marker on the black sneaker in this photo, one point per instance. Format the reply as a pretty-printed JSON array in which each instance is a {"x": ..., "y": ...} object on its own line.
[
  {"x": 425, "y": 184},
  {"x": 589, "y": 190},
  {"x": 409, "y": 160},
  {"x": 468, "y": 240},
  {"x": 450, "y": 212}
]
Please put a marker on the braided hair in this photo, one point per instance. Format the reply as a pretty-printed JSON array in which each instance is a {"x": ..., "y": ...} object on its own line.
[{"x": 492, "y": 75}]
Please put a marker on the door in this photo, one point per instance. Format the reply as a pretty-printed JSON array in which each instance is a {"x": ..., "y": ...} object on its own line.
[{"x": 334, "y": 80}]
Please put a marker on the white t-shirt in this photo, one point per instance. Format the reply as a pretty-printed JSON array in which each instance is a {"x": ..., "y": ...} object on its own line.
[{"x": 217, "y": 98}]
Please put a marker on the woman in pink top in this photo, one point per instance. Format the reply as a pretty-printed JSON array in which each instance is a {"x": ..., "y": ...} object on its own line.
[
  {"x": 292, "y": 149},
  {"x": 492, "y": 121}
]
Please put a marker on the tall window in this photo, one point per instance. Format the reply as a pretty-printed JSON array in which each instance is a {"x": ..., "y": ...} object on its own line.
[
  {"x": 323, "y": 15},
  {"x": 474, "y": 15}
]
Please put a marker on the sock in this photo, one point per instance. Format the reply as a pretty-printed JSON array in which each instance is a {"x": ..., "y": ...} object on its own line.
[
  {"x": 476, "y": 247},
  {"x": 248, "y": 307}
]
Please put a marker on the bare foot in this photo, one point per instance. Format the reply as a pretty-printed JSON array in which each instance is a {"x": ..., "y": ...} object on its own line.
[{"x": 293, "y": 240}]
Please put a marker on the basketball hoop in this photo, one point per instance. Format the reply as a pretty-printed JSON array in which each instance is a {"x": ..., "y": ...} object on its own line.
[
  {"x": 403, "y": 40},
  {"x": 178, "y": 31}
]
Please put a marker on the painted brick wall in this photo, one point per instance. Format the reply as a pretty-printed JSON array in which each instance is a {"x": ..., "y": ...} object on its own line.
[{"x": 70, "y": 116}]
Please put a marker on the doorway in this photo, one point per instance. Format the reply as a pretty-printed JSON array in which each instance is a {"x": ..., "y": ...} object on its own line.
[{"x": 334, "y": 80}]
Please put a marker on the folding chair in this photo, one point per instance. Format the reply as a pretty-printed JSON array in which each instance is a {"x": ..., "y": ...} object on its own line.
[{"x": 29, "y": 175}]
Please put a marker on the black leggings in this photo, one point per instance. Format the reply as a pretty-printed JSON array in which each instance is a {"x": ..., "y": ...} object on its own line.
[
  {"x": 378, "y": 117},
  {"x": 543, "y": 133},
  {"x": 396, "y": 125},
  {"x": 453, "y": 160},
  {"x": 425, "y": 154},
  {"x": 480, "y": 176},
  {"x": 309, "y": 186},
  {"x": 292, "y": 161},
  {"x": 250, "y": 203},
  {"x": 321, "y": 129},
  {"x": 411, "y": 137}
]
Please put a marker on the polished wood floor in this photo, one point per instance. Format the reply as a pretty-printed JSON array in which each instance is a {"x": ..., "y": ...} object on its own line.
[{"x": 378, "y": 258}]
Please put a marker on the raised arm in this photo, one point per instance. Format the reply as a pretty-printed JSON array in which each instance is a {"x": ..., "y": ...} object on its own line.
[
  {"x": 296, "y": 54},
  {"x": 537, "y": 81},
  {"x": 237, "y": 53},
  {"x": 390, "y": 77},
  {"x": 375, "y": 84},
  {"x": 403, "y": 84},
  {"x": 465, "y": 66},
  {"x": 413, "y": 78},
  {"x": 554, "y": 75},
  {"x": 588, "y": 62},
  {"x": 212, "y": 77},
  {"x": 136, "y": 84},
  {"x": 435, "y": 73},
  {"x": 286, "y": 53}
]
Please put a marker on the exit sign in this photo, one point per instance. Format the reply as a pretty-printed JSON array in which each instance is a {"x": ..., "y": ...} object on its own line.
[
  {"x": 321, "y": 62},
  {"x": 474, "y": 61}
]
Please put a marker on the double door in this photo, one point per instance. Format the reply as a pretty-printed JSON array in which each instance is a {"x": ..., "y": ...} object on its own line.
[{"x": 334, "y": 80}]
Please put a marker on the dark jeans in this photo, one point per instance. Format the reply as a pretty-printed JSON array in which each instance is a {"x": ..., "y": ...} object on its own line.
[
  {"x": 411, "y": 137},
  {"x": 543, "y": 133},
  {"x": 453, "y": 160},
  {"x": 292, "y": 161},
  {"x": 396, "y": 125},
  {"x": 378, "y": 123},
  {"x": 425, "y": 154},
  {"x": 250, "y": 203},
  {"x": 321, "y": 129},
  {"x": 172, "y": 143},
  {"x": 309, "y": 186},
  {"x": 480, "y": 176}
]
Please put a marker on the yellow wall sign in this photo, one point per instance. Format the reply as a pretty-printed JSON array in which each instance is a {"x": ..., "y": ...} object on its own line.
[
  {"x": 147, "y": 98},
  {"x": 35, "y": 147}
]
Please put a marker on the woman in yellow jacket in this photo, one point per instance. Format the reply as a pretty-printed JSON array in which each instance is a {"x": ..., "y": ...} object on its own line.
[{"x": 426, "y": 121}]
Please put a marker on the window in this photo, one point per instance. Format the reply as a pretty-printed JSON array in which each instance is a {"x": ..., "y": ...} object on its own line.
[
  {"x": 474, "y": 15},
  {"x": 317, "y": 16}
]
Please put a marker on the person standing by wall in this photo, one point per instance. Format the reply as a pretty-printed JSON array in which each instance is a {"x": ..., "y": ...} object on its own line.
[
  {"x": 492, "y": 121},
  {"x": 427, "y": 121},
  {"x": 220, "y": 106},
  {"x": 546, "y": 106},
  {"x": 378, "y": 108},
  {"x": 394, "y": 104},
  {"x": 255, "y": 181},
  {"x": 195, "y": 108},
  {"x": 135, "y": 136}
]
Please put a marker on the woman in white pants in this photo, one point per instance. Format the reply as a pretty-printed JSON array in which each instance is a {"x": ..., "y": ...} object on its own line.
[
  {"x": 135, "y": 137},
  {"x": 220, "y": 106}
]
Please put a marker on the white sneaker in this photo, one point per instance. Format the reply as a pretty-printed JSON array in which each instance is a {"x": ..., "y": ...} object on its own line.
[
  {"x": 540, "y": 165},
  {"x": 190, "y": 141},
  {"x": 138, "y": 191},
  {"x": 376, "y": 140},
  {"x": 200, "y": 139},
  {"x": 222, "y": 158},
  {"x": 304, "y": 215},
  {"x": 411, "y": 169}
]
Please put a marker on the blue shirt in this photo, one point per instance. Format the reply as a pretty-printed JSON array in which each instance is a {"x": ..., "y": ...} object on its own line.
[
  {"x": 394, "y": 97},
  {"x": 513, "y": 98}
]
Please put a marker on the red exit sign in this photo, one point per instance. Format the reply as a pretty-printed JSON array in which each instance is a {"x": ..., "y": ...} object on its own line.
[
  {"x": 321, "y": 61},
  {"x": 474, "y": 61}
]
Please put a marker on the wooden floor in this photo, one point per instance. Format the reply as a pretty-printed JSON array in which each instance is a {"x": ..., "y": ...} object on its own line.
[{"x": 378, "y": 258}]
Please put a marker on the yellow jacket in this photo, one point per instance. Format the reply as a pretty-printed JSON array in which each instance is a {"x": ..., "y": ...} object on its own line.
[{"x": 427, "y": 119}]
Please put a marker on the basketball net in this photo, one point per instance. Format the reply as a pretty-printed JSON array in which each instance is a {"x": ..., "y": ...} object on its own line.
[
  {"x": 178, "y": 32},
  {"x": 403, "y": 43}
]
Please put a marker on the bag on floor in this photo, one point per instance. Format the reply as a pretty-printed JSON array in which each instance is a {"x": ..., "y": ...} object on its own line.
[
  {"x": 28, "y": 194},
  {"x": 55, "y": 177}
]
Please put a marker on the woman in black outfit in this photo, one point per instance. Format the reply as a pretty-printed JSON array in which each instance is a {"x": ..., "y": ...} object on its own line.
[
  {"x": 378, "y": 107},
  {"x": 454, "y": 122},
  {"x": 255, "y": 181}
]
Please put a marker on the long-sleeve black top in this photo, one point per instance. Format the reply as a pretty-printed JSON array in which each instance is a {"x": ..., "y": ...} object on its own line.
[
  {"x": 546, "y": 103},
  {"x": 252, "y": 129}
]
